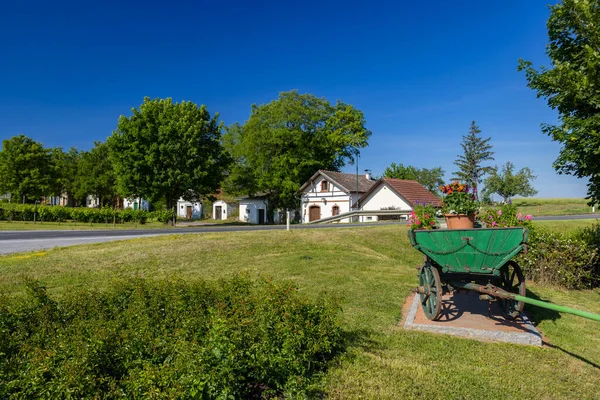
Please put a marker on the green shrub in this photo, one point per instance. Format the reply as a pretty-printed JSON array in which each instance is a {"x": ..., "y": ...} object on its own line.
[
  {"x": 236, "y": 338},
  {"x": 570, "y": 260}
]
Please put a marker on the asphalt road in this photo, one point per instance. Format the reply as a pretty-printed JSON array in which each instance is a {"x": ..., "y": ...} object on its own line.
[{"x": 20, "y": 241}]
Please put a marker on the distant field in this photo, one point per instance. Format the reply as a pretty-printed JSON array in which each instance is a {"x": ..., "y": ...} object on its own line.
[
  {"x": 558, "y": 206},
  {"x": 371, "y": 269}
]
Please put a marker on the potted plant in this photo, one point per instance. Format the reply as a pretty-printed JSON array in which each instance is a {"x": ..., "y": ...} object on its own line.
[
  {"x": 459, "y": 206},
  {"x": 422, "y": 217}
]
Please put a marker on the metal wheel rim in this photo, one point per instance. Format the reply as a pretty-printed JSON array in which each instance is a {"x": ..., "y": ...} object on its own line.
[
  {"x": 513, "y": 281},
  {"x": 429, "y": 277}
]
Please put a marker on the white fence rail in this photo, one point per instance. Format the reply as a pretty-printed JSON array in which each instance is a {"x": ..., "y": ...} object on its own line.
[{"x": 360, "y": 213}]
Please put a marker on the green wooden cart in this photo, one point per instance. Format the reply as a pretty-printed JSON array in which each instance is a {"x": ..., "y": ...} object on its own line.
[{"x": 479, "y": 260}]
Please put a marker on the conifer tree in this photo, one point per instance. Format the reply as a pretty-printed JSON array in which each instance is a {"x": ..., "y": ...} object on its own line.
[{"x": 476, "y": 151}]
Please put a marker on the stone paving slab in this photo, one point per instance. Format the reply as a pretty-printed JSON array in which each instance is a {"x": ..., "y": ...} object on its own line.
[{"x": 463, "y": 314}]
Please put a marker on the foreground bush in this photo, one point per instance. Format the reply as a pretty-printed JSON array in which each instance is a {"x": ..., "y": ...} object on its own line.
[
  {"x": 570, "y": 260},
  {"x": 140, "y": 339}
]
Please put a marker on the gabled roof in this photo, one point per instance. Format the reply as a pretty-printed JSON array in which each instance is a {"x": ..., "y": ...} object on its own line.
[
  {"x": 412, "y": 191},
  {"x": 346, "y": 182}
]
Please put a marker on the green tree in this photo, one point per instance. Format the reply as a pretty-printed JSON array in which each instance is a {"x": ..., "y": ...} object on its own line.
[
  {"x": 25, "y": 169},
  {"x": 96, "y": 176},
  {"x": 508, "y": 184},
  {"x": 476, "y": 151},
  {"x": 168, "y": 150},
  {"x": 286, "y": 141},
  {"x": 432, "y": 179},
  {"x": 65, "y": 166},
  {"x": 570, "y": 86}
]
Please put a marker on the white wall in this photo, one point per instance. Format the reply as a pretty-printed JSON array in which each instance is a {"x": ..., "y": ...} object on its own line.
[
  {"x": 226, "y": 209},
  {"x": 182, "y": 206},
  {"x": 334, "y": 196},
  {"x": 249, "y": 211},
  {"x": 142, "y": 204},
  {"x": 383, "y": 197}
]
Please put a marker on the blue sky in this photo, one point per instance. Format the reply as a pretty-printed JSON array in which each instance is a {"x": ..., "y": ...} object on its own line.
[{"x": 421, "y": 72}]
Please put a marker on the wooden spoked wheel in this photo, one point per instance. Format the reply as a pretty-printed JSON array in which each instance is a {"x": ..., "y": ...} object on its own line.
[
  {"x": 431, "y": 299},
  {"x": 513, "y": 281}
]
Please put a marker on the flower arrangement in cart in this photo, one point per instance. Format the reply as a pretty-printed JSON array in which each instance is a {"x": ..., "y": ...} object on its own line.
[{"x": 459, "y": 199}]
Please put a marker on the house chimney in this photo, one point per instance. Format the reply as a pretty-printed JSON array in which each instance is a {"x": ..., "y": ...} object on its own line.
[{"x": 368, "y": 174}]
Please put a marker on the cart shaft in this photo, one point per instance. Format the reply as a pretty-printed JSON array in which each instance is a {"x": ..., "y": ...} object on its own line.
[{"x": 497, "y": 292}]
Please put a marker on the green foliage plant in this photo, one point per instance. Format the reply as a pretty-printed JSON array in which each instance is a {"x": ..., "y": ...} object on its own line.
[
  {"x": 570, "y": 86},
  {"x": 459, "y": 199},
  {"x": 168, "y": 151},
  {"x": 508, "y": 184},
  {"x": 432, "y": 178},
  {"x": 235, "y": 338},
  {"x": 505, "y": 216},
  {"x": 422, "y": 217}
]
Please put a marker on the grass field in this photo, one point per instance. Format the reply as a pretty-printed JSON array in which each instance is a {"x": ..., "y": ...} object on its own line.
[
  {"x": 371, "y": 269},
  {"x": 557, "y": 206}
]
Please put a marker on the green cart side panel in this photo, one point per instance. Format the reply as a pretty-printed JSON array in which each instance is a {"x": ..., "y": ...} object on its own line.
[{"x": 477, "y": 251}]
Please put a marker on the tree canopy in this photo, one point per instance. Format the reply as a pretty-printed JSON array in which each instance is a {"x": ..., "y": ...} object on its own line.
[
  {"x": 66, "y": 167},
  {"x": 168, "y": 150},
  {"x": 432, "y": 179},
  {"x": 508, "y": 184},
  {"x": 286, "y": 141},
  {"x": 96, "y": 175},
  {"x": 570, "y": 86},
  {"x": 470, "y": 164},
  {"x": 26, "y": 169}
]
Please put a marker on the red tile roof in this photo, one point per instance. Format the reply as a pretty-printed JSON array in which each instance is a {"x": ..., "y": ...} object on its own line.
[{"x": 413, "y": 191}]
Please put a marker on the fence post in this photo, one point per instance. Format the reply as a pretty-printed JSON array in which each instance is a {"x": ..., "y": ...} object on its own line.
[{"x": 287, "y": 220}]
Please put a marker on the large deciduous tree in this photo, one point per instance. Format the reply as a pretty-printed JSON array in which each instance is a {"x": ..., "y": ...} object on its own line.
[
  {"x": 96, "y": 176},
  {"x": 476, "y": 151},
  {"x": 65, "y": 166},
  {"x": 571, "y": 86},
  {"x": 286, "y": 141},
  {"x": 26, "y": 169},
  {"x": 168, "y": 150},
  {"x": 432, "y": 178},
  {"x": 508, "y": 184}
]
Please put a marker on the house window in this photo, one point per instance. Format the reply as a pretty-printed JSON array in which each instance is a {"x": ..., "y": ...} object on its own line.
[
  {"x": 324, "y": 186},
  {"x": 335, "y": 210}
]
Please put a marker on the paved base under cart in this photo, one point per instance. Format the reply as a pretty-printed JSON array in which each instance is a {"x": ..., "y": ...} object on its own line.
[{"x": 464, "y": 315}]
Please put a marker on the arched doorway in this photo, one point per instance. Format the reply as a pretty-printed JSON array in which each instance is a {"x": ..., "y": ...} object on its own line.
[{"x": 314, "y": 213}]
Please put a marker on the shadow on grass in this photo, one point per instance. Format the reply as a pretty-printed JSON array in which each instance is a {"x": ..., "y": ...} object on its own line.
[
  {"x": 577, "y": 356},
  {"x": 539, "y": 314}
]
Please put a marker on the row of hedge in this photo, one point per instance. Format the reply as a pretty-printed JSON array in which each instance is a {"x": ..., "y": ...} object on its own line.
[
  {"x": 236, "y": 338},
  {"x": 570, "y": 260},
  {"x": 26, "y": 212}
]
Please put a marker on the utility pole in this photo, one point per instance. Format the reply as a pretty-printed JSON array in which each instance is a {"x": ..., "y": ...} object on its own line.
[{"x": 357, "y": 201}]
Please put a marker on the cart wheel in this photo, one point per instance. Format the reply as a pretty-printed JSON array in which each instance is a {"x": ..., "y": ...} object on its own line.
[
  {"x": 431, "y": 300},
  {"x": 512, "y": 280}
]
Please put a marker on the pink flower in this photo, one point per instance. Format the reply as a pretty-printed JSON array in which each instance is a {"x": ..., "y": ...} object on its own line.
[
  {"x": 417, "y": 222},
  {"x": 519, "y": 216},
  {"x": 499, "y": 212},
  {"x": 426, "y": 215},
  {"x": 494, "y": 223},
  {"x": 528, "y": 217},
  {"x": 490, "y": 217},
  {"x": 432, "y": 223}
]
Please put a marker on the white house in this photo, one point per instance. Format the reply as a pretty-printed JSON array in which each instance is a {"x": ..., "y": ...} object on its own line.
[
  {"x": 189, "y": 209},
  {"x": 137, "y": 203},
  {"x": 92, "y": 201},
  {"x": 398, "y": 194},
  {"x": 254, "y": 210},
  {"x": 221, "y": 210},
  {"x": 329, "y": 193}
]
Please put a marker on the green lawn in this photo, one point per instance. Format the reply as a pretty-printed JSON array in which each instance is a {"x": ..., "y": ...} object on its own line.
[
  {"x": 567, "y": 225},
  {"x": 557, "y": 206},
  {"x": 371, "y": 269}
]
